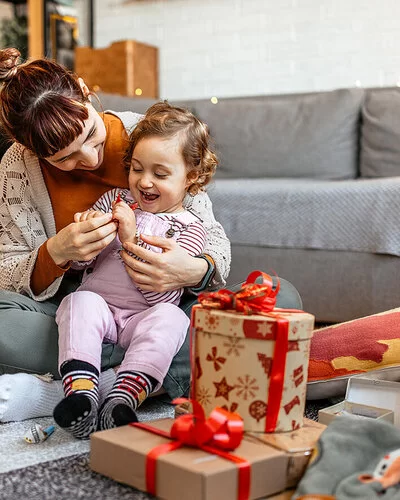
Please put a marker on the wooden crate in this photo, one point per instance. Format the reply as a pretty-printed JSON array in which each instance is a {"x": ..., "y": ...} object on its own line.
[{"x": 122, "y": 68}]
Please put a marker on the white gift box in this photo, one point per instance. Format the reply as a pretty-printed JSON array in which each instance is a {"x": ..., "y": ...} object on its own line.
[
  {"x": 244, "y": 364},
  {"x": 367, "y": 398}
]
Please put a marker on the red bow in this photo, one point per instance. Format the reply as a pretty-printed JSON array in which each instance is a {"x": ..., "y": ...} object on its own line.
[
  {"x": 251, "y": 298},
  {"x": 222, "y": 431}
]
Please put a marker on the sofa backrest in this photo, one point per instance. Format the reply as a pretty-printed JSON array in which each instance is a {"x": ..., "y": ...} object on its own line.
[
  {"x": 380, "y": 133},
  {"x": 314, "y": 135}
]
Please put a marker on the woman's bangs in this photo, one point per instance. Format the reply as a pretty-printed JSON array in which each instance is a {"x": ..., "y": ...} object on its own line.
[{"x": 57, "y": 129}]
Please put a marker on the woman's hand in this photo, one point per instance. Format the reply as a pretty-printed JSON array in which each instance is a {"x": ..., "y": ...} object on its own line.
[
  {"x": 82, "y": 241},
  {"x": 89, "y": 214},
  {"x": 172, "y": 269},
  {"x": 126, "y": 219}
]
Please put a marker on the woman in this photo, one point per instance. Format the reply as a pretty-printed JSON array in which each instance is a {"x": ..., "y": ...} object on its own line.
[{"x": 65, "y": 156}]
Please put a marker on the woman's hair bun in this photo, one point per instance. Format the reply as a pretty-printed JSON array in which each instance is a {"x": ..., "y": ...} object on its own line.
[{"x": 8, "y": 63}]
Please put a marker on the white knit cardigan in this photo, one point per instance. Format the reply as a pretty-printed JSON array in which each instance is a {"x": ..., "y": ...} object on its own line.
[{"x": 27, "y": 220}]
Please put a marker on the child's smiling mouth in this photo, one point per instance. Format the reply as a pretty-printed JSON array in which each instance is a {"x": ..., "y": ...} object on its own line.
[{"x": 148, "y": 197}]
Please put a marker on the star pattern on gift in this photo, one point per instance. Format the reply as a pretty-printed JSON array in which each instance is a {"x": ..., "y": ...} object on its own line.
[
  {"x": 246, "y": 387},
  {"x": 203, "y": 396},
  {"x": 214, "y": 358},
  {"x": 264, "y": 329},
  {"x": 223, "y": 389},
  {"x": 233, "y": 345},
  {"x": 212, "y": 322}
]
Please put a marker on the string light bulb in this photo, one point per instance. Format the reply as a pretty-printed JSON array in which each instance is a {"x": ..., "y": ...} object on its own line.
[
  {"x": 138, "y": 91},
  {"x": 214, "y": 100}
]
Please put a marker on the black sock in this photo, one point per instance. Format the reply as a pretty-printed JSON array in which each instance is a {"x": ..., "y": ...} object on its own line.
[
  {"x": 128, "y": 392},
  {"x": 78, "y": 411}
]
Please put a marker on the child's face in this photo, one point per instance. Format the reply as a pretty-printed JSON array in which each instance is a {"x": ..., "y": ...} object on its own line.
[{"x": 158, "y": 175}]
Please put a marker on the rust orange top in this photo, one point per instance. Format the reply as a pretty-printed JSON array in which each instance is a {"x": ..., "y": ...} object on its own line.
[{"x": 76, "y": 191}]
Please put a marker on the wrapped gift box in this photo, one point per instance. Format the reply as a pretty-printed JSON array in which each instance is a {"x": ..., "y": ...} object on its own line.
[
  {"x": 236, "y": 356},
  {"x": 366, "y": 397},
  {"x": 298, "y": 445},
  {"x": 121, "y": 453}
]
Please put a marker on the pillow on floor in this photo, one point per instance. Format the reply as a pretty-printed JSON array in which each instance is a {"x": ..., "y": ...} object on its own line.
[{"x": 365, "y": 345}]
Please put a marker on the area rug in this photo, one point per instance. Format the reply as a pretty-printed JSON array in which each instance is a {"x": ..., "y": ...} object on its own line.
[
  {"x": 64, "y": 479},
  {"x": 70, "y": 477},
  {"x": 20, "y": 454}
]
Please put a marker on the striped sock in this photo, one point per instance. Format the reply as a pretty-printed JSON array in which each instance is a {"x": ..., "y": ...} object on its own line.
[
  {"x": 77, "y": 412},
  {"x": 129, "y": 391}
]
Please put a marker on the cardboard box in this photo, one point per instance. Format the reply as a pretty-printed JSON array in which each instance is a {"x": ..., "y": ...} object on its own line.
[
  {"x": 285, "y": 495},
  {"x": 298, "y": 445},
  {"x": 122, "y": 68},
  {"x": 235, "y": 358},
  {"x": 120, "y": 454},
  {"x": 368, "y": 398}
]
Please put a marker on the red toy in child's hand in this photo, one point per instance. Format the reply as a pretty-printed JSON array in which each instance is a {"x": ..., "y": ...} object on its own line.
[{"x": 133, "y": 206}]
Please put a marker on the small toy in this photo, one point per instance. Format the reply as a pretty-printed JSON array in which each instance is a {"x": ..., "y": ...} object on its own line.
[
  {"x": 133, "y": 206},
  {"x": 36, "y": 434},
  {"x": 387, "y": 472}
]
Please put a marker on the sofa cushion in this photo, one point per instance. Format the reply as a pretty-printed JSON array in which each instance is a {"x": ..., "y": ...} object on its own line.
[
  {"x": 365, "y": 345},
  {"x": 310, "y": 135},
  {"x": 380, "y": 134}
]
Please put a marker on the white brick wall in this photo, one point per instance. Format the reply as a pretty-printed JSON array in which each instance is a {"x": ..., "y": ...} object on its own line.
[{"x": 252, "y": 47}]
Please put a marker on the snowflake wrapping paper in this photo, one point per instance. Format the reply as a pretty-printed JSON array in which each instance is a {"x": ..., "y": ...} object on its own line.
[{"x": 233, "y": 357}]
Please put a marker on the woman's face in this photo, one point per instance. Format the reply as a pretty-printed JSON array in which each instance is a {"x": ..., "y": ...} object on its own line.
[
  {"x": 158, "y": 175},
  {"x": 87, "y": 150}
]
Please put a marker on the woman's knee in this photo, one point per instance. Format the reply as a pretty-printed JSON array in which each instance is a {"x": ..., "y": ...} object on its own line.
[{"x": 14, "y": 300}]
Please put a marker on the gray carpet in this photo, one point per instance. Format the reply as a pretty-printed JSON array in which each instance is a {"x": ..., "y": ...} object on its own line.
[
  {"x": 60, "y": 444},
  {"x": 71, "y": 478}
]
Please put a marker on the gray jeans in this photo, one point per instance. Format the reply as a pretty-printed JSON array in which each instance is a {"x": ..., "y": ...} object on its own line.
[{"x": 29, "y": 336}]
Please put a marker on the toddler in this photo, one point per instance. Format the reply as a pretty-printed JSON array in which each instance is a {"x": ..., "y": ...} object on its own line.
[{"x": 168, "y": 158}]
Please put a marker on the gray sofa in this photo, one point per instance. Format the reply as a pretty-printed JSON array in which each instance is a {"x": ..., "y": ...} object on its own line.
[{"x": 308, "y": 187}]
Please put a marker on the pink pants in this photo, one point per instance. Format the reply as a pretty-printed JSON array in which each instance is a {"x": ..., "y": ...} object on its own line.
[{"x": 151, "y": 337}]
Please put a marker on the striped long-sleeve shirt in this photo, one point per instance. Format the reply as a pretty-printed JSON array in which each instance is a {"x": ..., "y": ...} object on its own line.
[{"x": 186, "y": 228}]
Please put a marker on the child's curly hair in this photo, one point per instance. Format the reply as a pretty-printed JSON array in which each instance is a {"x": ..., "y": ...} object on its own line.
[{"x": 164, "y": 120}]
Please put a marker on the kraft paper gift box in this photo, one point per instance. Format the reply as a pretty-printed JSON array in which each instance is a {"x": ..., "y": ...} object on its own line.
[
  {"x": 187, "y": 472},
  {"x": 298, "y": 445},
  {"x": 255, "y": 365}
]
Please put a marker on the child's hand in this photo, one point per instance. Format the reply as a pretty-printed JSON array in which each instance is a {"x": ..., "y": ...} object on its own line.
[
  {"x": 125, "y": 216},
  {"x": 88, "y": 214}
]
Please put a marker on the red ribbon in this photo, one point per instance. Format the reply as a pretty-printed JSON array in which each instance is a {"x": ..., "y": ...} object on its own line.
[
  {"x": 260, "y": 299},
  {"x": 251, "y": 298},
  {"x": 221, "y": 432}
]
